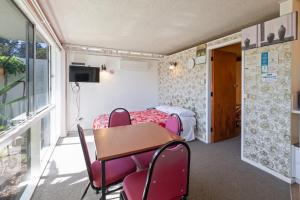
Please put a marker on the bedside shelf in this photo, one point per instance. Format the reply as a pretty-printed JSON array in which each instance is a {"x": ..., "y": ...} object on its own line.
[{"x": 296, "y": 162}]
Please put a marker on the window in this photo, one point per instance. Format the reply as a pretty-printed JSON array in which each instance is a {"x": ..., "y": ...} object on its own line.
[
  {"x": 15, "y": 166},
  {"x": 24, "y": 67},
  {"x": 24, "y": 93},
  {"x": 41, "y": 73},
  {"x": 15, "y": 60},
  {"x": 45, "y": 133}
]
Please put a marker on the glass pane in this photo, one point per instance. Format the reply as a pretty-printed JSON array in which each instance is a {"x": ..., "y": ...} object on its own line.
[
  {"x": 13, "y": 64},
  {"x": 15, "y": 160},
  {"x": 45, "y": 132},
  {"x": 41, "y": 73}
]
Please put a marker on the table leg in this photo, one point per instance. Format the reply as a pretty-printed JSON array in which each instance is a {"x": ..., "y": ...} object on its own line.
[{"x": 103, "y": 189}]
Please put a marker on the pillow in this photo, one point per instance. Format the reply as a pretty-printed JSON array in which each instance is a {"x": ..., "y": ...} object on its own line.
[
  {"x": 163, "y": 108},
  {"x": 182, "y": 112}
]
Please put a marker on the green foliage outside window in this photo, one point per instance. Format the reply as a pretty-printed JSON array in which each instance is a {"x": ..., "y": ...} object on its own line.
[{"x": 11, "y": 65}]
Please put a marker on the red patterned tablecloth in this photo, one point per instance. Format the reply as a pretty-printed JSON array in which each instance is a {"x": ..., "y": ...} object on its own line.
[{"x": 152, "y": 115}]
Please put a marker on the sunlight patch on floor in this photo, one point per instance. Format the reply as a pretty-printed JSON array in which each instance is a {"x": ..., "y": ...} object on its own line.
[
  {"x": 68, "y": 157},
  {"x": 60, "y": 180},
  {"x": 75, "y": 140},
  {"x": 80, "y": 180}
]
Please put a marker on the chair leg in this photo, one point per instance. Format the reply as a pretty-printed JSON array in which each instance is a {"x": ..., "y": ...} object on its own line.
[
  {"x": 184, "y": 198},
  {"x": 113, "y": 190},
  {"x": 123, "y": 196},
  {"x": 85, "y": 191}
]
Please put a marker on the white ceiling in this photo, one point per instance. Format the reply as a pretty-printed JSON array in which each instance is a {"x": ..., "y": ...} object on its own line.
[{"x": 157, "y": 26}]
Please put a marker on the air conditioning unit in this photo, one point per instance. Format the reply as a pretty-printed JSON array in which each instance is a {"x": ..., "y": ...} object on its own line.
[{"x": 134, "y": 65}]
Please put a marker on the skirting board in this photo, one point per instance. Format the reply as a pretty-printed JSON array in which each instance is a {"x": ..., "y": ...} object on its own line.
[
  {"x": 198, "y": 138},
  {"x": 260, "y": 166}
]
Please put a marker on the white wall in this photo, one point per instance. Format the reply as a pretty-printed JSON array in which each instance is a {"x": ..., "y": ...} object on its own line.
[{"x": 134, "y": 88}]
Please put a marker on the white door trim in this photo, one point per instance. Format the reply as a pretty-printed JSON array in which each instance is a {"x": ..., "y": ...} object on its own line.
[{"x": 208, "y": 83}]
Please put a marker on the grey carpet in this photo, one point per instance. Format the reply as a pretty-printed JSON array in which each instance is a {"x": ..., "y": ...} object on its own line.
[{"x": 217, "y": 173}]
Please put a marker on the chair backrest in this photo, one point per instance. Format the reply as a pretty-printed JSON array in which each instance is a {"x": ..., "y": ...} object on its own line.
[
  {"x": 85, "y": 153},
  {"x": 174, "y": 124},
  {"x": 179, "y": 121},
  {"x": 168, "y": 174},
  {"x": 119, "y": 117}
]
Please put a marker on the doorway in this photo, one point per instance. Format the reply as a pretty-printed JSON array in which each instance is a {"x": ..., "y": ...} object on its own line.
[{"x": 226, "y": 92}]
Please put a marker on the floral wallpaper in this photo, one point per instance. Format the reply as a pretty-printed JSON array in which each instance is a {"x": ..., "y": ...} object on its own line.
[
  {"x": 184, "y": 87},
  {"x": 267, "y": 110}
]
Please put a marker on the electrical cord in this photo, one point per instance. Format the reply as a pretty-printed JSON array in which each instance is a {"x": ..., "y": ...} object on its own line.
[{"x": 76, "y": 90}]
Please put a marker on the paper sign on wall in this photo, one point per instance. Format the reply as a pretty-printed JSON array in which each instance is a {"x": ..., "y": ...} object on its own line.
[
  {"x": 264, "y": 58},
  {"x": 269, "y": 77},
  {"x": 269, "y": 63}
]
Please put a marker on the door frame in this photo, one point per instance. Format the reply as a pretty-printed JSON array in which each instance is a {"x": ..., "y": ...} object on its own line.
[{"x": 209, "y": 50}]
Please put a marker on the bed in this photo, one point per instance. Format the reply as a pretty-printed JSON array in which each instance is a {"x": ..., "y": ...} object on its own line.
[{"x": 157, "y": 115}]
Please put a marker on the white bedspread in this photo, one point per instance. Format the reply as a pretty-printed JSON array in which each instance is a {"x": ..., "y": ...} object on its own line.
[{"x": 188, "y": 124}]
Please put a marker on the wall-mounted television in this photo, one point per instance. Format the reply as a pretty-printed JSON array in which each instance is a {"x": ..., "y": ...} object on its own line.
[{"x": 83, "y": 74}]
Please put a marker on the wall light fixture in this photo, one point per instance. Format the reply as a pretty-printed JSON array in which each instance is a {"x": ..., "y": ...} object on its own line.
[
  {"x": 103, "y": 67},
  {"x": 172, "y": 65}
]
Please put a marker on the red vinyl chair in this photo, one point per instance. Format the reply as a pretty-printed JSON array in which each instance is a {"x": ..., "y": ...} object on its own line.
[
  {"x": 166, "y": 178},
  {"x": 119, "y": 117},
  {"x": 116, "y": 170},
  {"x": 143, "y": 160},
  {"x": 174, "y": 124}
]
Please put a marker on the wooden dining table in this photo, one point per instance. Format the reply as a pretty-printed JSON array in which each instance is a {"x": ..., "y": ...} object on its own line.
[{"x": 116, "y": 142}]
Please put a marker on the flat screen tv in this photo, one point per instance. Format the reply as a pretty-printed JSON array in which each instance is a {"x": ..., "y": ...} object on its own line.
[{"x": 83, "y": 74}]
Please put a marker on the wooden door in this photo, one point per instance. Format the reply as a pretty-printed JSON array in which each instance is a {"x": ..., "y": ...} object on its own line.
[{"x": 223, "y": 96}]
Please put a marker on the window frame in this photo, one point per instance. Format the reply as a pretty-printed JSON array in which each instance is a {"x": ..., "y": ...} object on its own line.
[
  {"x": 49, "y": 72},
  {"x": 31, "y": 110},
  {"x": 33, "y": 121}
]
